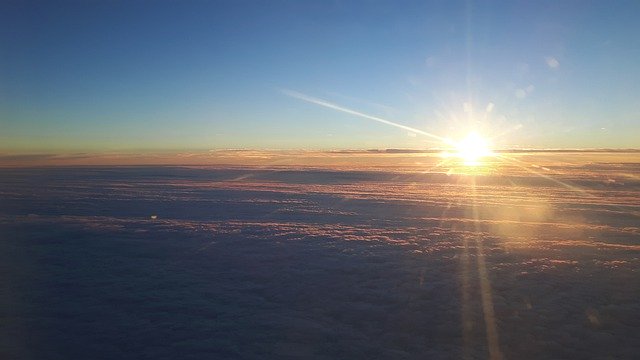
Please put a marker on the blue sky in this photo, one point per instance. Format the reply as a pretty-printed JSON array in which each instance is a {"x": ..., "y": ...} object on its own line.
[{"x": 142, "y": 75}]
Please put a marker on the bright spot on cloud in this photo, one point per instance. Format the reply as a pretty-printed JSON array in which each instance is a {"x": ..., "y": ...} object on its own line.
[
  {"x": 490, "y": 107},
  {"x": 411, "y": 134},
  {"x": 552, "y": 62}
]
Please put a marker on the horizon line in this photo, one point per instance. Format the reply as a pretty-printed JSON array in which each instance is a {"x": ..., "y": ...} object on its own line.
[
  {"x": 143, "y": 152},
  {"x": 244, "y": 157}
]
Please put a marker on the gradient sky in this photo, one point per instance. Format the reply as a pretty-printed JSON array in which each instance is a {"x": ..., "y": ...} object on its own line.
[{"x": 189, "y": 75}]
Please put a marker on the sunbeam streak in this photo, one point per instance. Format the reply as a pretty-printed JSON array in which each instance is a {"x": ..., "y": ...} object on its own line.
[
  {"x": 317, "y": 101},
  {"x": 491, "y": 328},
  {"x": 505, "y": 132},
  {"x": 574, "y": 188},
  {"x": 518, "y": 163}
]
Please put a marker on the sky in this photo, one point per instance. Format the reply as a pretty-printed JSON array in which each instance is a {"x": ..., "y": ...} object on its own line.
[{"x": 104, "y": 76}]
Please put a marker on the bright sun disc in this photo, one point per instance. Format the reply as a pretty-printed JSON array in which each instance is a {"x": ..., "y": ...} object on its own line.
[{"x": 472, "y": 148}]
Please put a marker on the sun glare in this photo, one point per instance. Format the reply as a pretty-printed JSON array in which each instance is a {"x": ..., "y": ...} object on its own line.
[{"x": 472, "y": 148}]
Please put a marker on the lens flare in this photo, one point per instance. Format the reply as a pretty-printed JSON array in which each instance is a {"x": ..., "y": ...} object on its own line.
[{"x": 472, "y": 149}]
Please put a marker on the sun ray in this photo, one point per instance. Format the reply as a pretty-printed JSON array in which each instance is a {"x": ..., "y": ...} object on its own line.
[
  {"x": 440, "y": 164},
  {"x": 519, "y": 163},
  {"x": 466, "y": 318},
  {"x": 486, "y": 296},
  {"x": 505, "y": 132},
  {"x": 579, "y": 190}
]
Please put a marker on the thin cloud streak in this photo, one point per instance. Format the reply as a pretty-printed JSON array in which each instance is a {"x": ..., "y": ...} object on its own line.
[{"x": 321, "y": 102}]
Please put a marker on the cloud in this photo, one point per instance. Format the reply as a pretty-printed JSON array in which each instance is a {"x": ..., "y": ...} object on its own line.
[
  {"x": 552, "y": 62},
  {"x": 524, "y": 92},
  {"x": 490, "y": 107},
  {"x": 320, "y": 262}
]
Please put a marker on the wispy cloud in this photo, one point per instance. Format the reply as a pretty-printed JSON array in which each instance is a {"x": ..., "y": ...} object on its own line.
[{"x": 327, "y": 104}]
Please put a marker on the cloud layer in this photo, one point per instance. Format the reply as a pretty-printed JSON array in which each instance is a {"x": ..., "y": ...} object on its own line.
[{"x": 200, "y": 263}]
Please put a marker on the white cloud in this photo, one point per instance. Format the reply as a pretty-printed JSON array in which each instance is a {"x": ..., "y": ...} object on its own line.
[
  {"x": 552, "y": 62},
  {"x": 490, "y": 107}
]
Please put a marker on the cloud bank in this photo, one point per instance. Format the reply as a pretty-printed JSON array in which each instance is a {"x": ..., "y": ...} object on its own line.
[{"x": 289, "y": 262}]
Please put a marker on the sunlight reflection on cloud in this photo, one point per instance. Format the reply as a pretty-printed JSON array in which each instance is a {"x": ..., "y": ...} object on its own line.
[{"x": 284, "y": 258}]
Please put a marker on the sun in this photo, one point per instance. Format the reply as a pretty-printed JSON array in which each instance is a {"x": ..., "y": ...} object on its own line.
[{"x": 472, "y": 148}]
